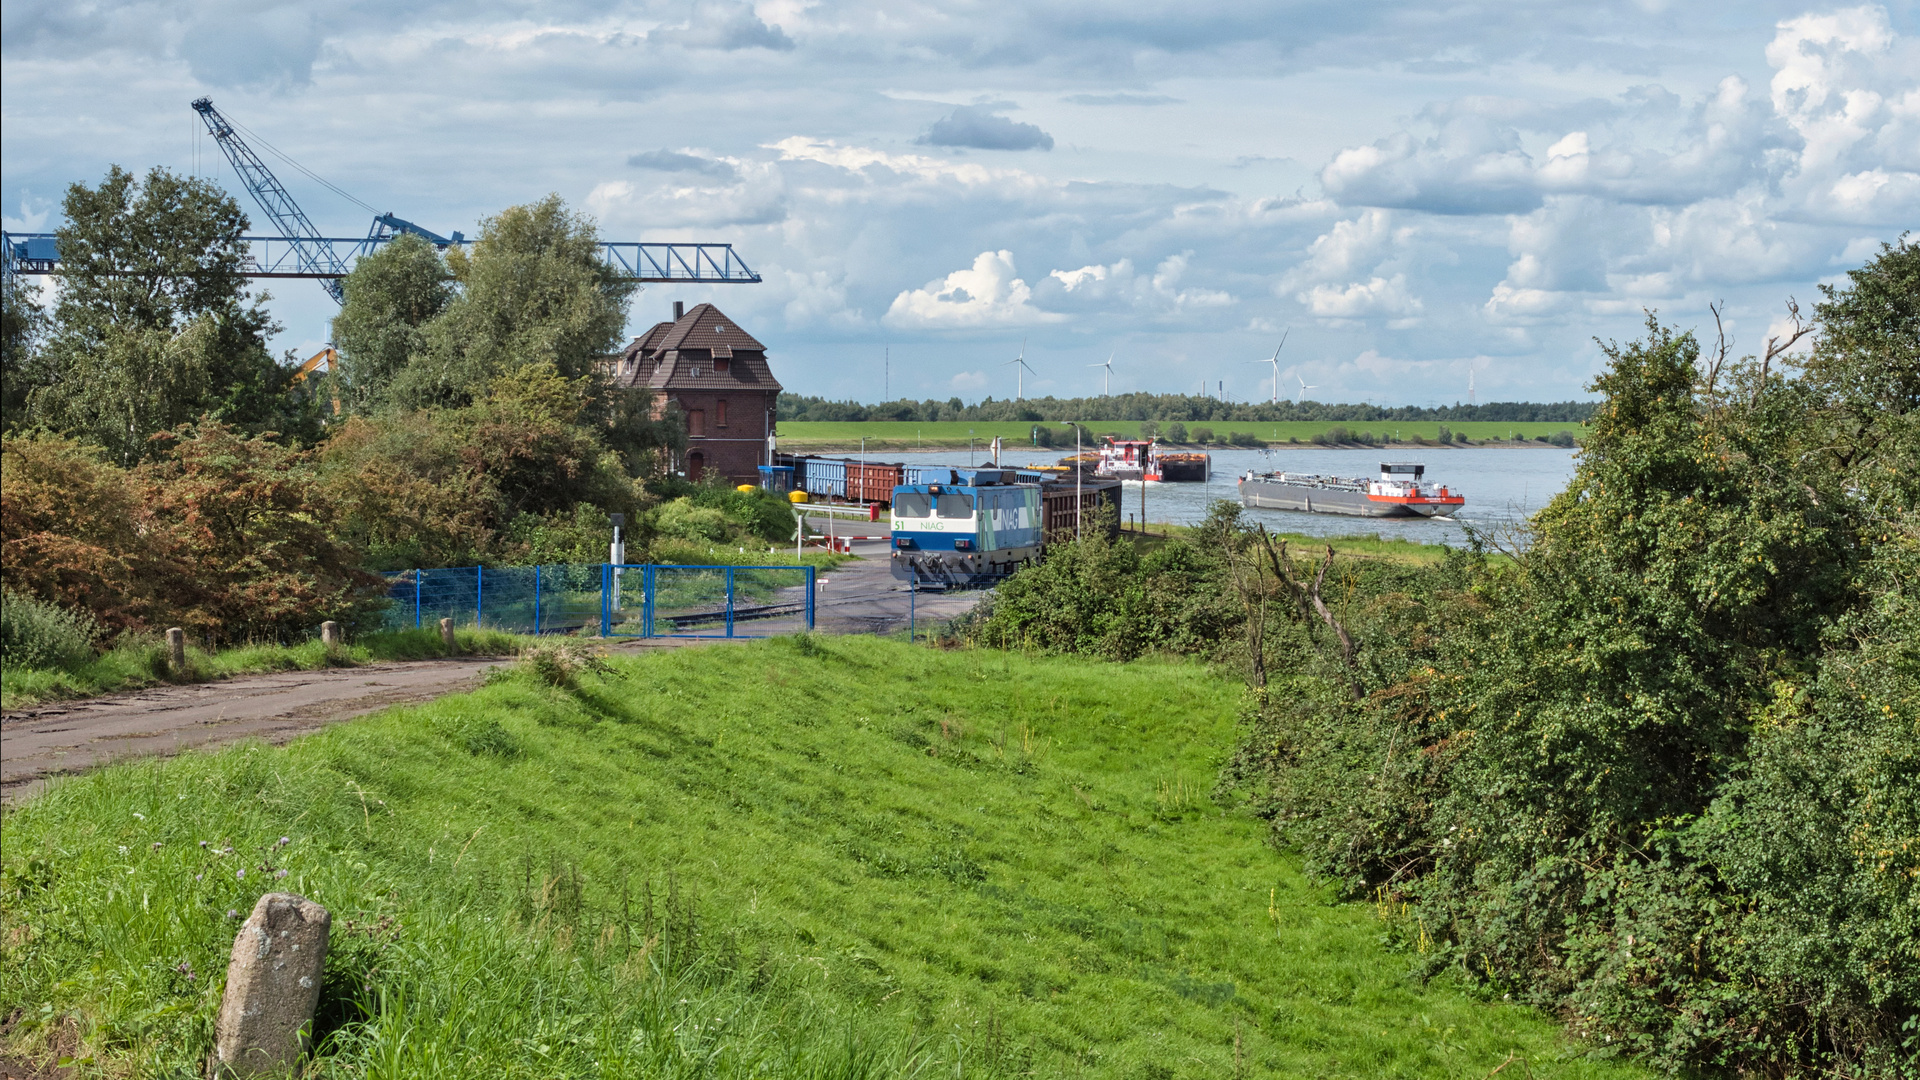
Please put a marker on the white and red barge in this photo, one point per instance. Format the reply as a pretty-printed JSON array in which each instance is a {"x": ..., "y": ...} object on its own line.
[{"x": 1399, "y": 492}]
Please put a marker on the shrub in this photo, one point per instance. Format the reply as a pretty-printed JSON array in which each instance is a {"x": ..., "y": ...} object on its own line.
[
  {"x": 1149, "y": 429},
  {"x": 1446, "y": 434},
  {"x": 1203, "y": 435},
  {"x": 1338, "y": 435},
  {"x": 682, "y": 520},
  {"x": 1562, "y": 439},
  {"x": 1176, "y": 432},
  {"x": 36, "y": 634}
]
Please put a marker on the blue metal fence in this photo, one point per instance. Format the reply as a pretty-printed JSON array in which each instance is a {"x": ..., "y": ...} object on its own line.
[{"x": 614, "y": 601}]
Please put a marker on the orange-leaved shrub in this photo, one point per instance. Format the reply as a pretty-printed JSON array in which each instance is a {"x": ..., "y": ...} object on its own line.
[{"x": 226, "y": 535}]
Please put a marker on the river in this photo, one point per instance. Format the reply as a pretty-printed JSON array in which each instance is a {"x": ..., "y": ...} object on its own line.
[{"x": 1503, "y": 485}]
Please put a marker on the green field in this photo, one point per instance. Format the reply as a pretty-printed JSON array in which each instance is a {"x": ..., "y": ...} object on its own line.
[
  {"x": 902, "y": 435},
  {"x": 803, "y": 857}
]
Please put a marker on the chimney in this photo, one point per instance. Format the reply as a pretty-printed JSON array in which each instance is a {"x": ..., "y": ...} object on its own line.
[{"x": 679, "y": 309}]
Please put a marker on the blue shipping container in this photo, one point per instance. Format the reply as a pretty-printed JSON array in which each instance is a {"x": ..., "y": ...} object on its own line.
[{"x": 826, "y": 477}]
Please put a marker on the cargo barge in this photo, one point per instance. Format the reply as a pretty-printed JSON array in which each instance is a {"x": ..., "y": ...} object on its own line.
[
  {"x": 1397, "y": 493},
  {"x": 1143, "y": 459}
]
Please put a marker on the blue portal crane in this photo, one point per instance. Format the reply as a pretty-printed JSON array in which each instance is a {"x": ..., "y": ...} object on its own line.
[{"x": 300, "y": 251}]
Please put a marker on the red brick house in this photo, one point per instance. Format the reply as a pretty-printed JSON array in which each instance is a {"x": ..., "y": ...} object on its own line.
[{"x": 717, "y": 376}]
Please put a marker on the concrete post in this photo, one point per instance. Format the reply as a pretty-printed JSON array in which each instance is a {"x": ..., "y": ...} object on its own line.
[
  {"x": 446, "y": 636},
  {"x": 330, "y": 635},
  {"x": 177, "y": 651},
  {"x": 265, "y": 1023}
]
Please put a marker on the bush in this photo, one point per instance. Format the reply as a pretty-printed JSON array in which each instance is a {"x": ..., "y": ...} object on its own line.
[
  {"x": 36, "y": 634},
  {"x": 682, "y": 520},
  {"x": 1245, "y": 438},
  {"x": 1203, "y": 435},
  {"x": 1149, "y": 429},
  {"x": 1562, "y": 439},
  {"x": 1338, "y": 435},
  {"x": 1446, "y": 434},
  {"x": 1176, "y": 432}
]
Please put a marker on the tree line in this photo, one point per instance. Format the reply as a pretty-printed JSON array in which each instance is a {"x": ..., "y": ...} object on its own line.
[
  {"x": 1651, "y": 764},
  {"x": 162, "y": 465},
  {"x": 1171, "y": 408}
]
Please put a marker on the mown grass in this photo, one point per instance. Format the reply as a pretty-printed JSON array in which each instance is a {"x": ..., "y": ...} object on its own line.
[
  {"x": 142, "y": 661},
  {"x": 906, "y": 435},
  {"x": 803, "y": 857}
]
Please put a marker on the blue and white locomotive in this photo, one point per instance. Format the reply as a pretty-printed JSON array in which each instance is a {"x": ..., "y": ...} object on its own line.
[{"x": 979, "y": 526}]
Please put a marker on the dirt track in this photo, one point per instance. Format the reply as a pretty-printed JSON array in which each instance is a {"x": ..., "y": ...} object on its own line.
[{"x": 69, "y": 737}]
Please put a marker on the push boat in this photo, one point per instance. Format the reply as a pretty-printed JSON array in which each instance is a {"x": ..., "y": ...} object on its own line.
[
  {"x": 1143, "y": 459},
  {"x": 1398, "y": 492}
]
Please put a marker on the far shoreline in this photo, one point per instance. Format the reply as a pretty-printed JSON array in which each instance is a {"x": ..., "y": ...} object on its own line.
[{"x": 880, "y": 447}]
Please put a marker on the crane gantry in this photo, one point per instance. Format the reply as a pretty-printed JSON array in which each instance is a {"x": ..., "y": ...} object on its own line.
[{"x": 300, "y": 251}]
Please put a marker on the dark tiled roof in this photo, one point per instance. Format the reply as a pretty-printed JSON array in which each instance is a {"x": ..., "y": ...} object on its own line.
[{"x": 680, "y": 355}]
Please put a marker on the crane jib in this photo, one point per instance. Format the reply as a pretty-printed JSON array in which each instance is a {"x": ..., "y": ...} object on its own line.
[{"x": 302, "y": 252}]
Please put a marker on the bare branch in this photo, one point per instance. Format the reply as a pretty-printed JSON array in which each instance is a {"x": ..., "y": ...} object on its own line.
[
  {"x": 1777, "y": 346},
  {"x": 1722, "y": 344},
  {"x": 1326, "y": 614}
]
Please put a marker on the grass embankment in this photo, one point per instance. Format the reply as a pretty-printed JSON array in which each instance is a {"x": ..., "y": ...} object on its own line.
[
  {"x": 141, "y": 662},
  {"x": 1358, "y": 547},
  {"x": 945, "y": 435},
  {"x": 803, "y": 857}
]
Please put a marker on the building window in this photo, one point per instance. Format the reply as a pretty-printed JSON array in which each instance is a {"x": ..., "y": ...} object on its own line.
[
  {"x": 720, "y": 366},
  {"x": 696, "y": 423},
  {"x": 719, "y": 414}
]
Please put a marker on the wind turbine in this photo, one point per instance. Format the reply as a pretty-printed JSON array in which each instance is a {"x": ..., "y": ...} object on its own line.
[
  {"x": 1107, "y": 383},
  {"x": 1275, "y": 361},
  {"x": 1303, "y": 388},
  {"x": 1470, "y": 398},
  {"x": 1020, "y": 391}
]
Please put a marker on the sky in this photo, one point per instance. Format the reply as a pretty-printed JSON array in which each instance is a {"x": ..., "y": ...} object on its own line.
[{"x": 1418, "y": 198}]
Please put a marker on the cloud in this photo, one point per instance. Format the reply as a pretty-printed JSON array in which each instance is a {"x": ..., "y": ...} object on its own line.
[
  {"x": 987, "y": 294},
  {"x": 1118, "y": 287},
  {"x": 1373, "y": 298},
  {"x": 725, "y": 26},
  {"x": 967, "y": 381},
  {"x": 675, "y": 161},
  {"x": 977, "y": 127},
  {"x": 1121, "y": 99}
]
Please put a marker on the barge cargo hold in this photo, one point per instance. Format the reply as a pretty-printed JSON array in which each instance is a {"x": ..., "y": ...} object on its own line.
[{"x": 1397, "y": 493}]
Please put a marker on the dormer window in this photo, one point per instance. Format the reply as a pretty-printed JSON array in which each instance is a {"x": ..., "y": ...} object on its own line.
[{"x": 720, "y": 366}]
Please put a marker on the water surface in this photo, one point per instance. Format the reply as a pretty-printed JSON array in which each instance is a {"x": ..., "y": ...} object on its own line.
[{"x": 1503, "y": 485}]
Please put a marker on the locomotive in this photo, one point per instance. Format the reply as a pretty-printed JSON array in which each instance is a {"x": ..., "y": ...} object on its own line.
[{"x": 981, "y": 525}]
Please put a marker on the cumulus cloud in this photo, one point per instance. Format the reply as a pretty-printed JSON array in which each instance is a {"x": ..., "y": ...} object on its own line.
[
  {"x": 986, "y": 294},
  {"x": 1374, "y": 298},
  {"x": 1117, "y": 286},
  {"x": 980, "y": 128}
]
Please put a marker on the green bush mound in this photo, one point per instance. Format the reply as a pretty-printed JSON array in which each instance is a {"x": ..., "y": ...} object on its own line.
[
  {"x": 36, "y": 634},
  {"x": 801, "y": 857}
]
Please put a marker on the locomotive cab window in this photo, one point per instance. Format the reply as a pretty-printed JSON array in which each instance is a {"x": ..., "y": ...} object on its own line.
[
  {"x": 954, "y": 506},
  {"x": 912, "y": 504}
]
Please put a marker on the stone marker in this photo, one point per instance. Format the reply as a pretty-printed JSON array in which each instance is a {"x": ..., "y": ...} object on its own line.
[
  {"x": 330, "y": 635},
  {"x": 446, "y": 635},
  {"x": 273, "y": 986},
  {"x": 177, "y": 650}
]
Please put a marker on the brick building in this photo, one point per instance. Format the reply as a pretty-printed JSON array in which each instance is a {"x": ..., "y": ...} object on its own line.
[{"x": 717, "y": 376}]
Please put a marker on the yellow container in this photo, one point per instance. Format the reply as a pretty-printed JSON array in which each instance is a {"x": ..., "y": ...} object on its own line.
[
  {"x": 745, "y": 487},
  {"x": 796, "y": 496}
]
